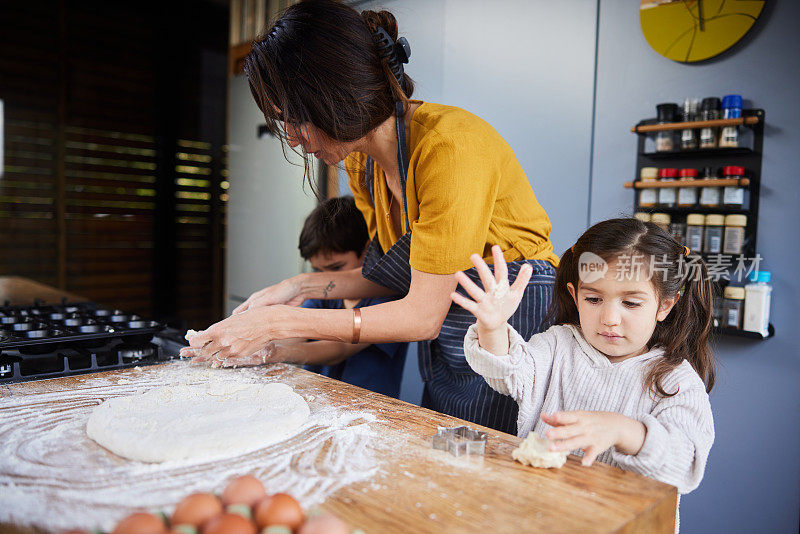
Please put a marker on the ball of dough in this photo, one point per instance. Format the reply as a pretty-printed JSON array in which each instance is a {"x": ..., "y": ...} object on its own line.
[{"x": 535, "y": 451}]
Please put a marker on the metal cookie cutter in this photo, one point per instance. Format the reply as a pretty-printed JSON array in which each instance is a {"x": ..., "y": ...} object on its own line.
[{"x": 460, "y": 440}]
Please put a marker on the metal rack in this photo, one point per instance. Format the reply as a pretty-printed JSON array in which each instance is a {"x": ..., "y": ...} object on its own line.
[{"x": 749, "y": 157}]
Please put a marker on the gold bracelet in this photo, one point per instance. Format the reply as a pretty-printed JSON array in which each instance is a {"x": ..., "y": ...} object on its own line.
[{"x": 356, "y": 325}]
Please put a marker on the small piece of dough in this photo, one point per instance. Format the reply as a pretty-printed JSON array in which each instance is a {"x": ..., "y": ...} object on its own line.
[
  {"x": 190, "y": 334},
  {"x": 535, "y": 451}
]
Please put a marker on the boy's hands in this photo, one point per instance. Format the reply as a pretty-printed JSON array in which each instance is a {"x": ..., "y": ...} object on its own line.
[
  {"x": 496, "y": 302},
  {"x": 594, "y": 433}
]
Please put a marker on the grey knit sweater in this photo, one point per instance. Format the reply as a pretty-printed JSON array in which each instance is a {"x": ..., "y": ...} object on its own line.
[{"x": 559, "y": 370}]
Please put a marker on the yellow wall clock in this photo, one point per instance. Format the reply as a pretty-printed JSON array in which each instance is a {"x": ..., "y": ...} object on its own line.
[{"x": 694, "y": 30}]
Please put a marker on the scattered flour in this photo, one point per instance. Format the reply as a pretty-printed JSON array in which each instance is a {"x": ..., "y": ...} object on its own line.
[{"x": 53, "y": 476}]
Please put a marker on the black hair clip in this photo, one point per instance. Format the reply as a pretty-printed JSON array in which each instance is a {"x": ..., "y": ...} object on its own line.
[
  {"x": 396, "y": 53},
  {"x": 280, "y": 25}
]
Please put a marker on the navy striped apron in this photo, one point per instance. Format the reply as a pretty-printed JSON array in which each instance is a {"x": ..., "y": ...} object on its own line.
[{"x": 451, "y": 386}]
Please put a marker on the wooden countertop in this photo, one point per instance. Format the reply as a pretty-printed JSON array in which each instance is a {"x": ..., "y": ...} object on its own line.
[
  {"x": 23, "y": 291},
  {"x": 417, "y": 489}
]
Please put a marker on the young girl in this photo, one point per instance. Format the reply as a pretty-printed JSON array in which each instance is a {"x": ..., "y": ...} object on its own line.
[{"x": 624, "y": 373}]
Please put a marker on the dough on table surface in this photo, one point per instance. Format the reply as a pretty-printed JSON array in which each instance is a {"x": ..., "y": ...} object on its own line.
[
  {"x": 188, "y": 422},
  {"x": 535, "y": 451}
]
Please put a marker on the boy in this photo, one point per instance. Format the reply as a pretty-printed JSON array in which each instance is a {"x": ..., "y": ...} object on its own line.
[{"x": 334, "y": 238}]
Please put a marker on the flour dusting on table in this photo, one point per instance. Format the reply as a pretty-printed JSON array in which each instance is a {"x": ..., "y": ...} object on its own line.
[{"x": 54, "y": 476}]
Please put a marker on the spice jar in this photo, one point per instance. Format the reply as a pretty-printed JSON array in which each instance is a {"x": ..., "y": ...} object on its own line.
[
  {"x": 667, "y": 195},
  {"x": 689, "y": 135},
  {"x": 712, "y": 239},
  {"x": 716, "y": 309},
  {"x": 709, "y": 111},
  {"x": 642, "y": 216},
  {"x": 665, "y": 139},
  {"x": 687, "y": 196},
  {"x": 732, "y": 304},
  {"x": 678, "y": 231},
  {"x": 648, "y": 197},
  {"x": 661, "y": 220},
  {"x": 734, "y": 234},
  {"x": 710, "y": 197},
  {"x": 695, "y": 225},
  {"x": 731, "y": 109},
  {"x": 758, "y": 294},
  {"x": 733, "y": 195}
]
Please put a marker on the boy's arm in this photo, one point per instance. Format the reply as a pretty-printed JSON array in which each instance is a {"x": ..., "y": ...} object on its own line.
[
  {"x": 299, "y": 352},
  {"x": 316, "y": 352}
]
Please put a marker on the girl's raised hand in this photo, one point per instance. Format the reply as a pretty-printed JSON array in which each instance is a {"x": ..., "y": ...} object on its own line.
[{"x": 497, "y": 301}]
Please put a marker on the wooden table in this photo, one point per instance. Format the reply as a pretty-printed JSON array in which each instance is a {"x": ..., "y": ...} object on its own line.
[
  {"x": 23, "y": 291},
  {"x": 423, "y": 490}
]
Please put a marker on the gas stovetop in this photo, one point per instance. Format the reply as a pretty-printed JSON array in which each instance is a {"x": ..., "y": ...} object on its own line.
[{"x": 49, "y": 341}]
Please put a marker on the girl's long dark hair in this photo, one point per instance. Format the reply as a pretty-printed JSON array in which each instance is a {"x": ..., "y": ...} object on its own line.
[
  {"x": 319, "y": 64},
  {"x": 685, "y": 331}
]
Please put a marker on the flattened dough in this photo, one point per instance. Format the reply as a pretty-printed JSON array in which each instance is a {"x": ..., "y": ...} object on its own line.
[
  {"x": 203, "y": 421},
  {"x": 535, "y": 451}
]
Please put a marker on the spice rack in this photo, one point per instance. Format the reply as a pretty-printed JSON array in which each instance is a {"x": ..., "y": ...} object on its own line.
[{"x": 748, "y": 156}]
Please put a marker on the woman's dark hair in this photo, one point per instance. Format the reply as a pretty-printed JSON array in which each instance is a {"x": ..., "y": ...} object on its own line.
[
  {"x": 685, "y": 331},
  {"x": 335, "y": 225},
  {"x": 319, "y": 64}
]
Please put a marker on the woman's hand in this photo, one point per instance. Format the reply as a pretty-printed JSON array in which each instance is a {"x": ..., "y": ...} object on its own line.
[
  {"x": 239, "y": 335},
  {"x": 594, "y": 433},
  {"x": 286, "y": 292},
  {"x": 496, "y": 302}
]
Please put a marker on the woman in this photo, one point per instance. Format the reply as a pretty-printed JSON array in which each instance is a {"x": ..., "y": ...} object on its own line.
[{"x": 434, "y": 183}]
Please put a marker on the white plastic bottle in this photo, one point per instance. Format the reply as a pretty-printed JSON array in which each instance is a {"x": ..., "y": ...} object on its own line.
[{"x": 758, "y": 294}]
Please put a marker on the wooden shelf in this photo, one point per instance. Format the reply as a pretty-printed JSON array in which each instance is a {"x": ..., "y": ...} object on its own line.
[
  {"x": 722, "y": 182},
  {"x": 704, "y": 210},
  {"x": 744, "y": 333},
  {"x": 694, "y": 125},
  {"x": 700, "y": 153}
]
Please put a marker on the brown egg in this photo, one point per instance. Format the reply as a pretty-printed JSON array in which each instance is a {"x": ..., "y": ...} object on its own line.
[
  {"x": 140, "y": 523},
  {"x": 280, "y": 509},
  {"x": 229, "y": 524},
  {"x": 243, "y": 490},
  {"x": 324, "y": 524},
  {"x": 196, "y": 509}
]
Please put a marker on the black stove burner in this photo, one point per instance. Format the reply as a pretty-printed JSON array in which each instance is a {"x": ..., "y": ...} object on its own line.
[{"x": 38, "y": 342}]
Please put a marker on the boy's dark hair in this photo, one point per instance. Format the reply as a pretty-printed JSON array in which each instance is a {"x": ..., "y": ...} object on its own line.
[
  {"x": 685, "y": 331},
  {"x": 335, "y": 225}
]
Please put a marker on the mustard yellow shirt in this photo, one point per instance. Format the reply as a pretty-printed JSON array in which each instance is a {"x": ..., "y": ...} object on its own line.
[{"x": 466, "y": 192}]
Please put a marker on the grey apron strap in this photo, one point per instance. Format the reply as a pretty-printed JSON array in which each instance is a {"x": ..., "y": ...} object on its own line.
[
  {"x": 369, "y": 178},
  {"x": 402, "y": 156},
  {"x": 402, "y": 163}
]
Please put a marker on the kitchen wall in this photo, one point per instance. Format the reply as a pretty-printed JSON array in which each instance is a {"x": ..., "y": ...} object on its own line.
[
  {"x": 267, "y": 205},
  {"x": 752, "y": 482}
]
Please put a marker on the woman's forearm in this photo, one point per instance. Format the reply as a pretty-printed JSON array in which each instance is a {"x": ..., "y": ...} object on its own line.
[
  {"x": 417, "y": 316},
  {"x": 340, "y": 285},
  {"x": 388, "y": 322}
]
